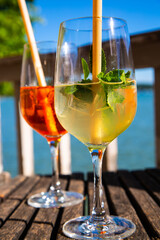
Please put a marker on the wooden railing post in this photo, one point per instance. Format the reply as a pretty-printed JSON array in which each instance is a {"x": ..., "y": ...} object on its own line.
[
  {"x": 27, "y": 147},
  {"x": 110, "y": 157},
  {"x": 157, "y": 114},
  {"x": 16, "y": 91},
  {"x": 65, "y": 154},
  {"x": 24, "y": 140}
]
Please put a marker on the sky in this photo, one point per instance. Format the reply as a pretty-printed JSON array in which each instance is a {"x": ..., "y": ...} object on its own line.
[{"x": 141, "y": 16}]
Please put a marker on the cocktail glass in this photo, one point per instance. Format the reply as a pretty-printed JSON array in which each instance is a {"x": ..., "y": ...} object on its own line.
[
  {"x": 37, "y": 108},
  {"x": 95, "y": 109}
]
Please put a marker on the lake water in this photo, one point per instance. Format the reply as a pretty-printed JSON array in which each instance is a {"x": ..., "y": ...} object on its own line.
[{"x": 136, "y": 146}]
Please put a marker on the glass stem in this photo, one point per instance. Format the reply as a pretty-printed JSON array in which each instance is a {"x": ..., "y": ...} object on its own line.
[
  {"x": 98, "y": 212},
  {"x": 56, "y": 185}
]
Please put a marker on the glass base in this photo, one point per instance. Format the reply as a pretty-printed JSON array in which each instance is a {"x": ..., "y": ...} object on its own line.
[
  {"x": 111, "y": 228},
  {"x": 50, "y": 199}
]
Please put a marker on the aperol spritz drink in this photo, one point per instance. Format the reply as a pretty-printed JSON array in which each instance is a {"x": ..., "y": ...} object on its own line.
[{"x": 37, "y": 108}]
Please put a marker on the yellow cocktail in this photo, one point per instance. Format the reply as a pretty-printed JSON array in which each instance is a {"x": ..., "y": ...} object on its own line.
[
  {"x": 95, "y": 101},
  {"x": 95, "y": 113}
]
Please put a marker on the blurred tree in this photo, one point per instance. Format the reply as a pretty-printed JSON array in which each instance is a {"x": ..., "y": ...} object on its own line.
[{"x": 12, "y": 32}]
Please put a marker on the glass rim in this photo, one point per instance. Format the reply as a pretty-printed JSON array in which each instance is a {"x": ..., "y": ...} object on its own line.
[
  {"x": 123, "y": 23},
  {"x": 27, "y": 44}
]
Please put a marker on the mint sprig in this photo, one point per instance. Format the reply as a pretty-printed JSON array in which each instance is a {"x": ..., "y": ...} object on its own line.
[
  {"x": 84, "y": 92},
  {"x": 117, "y": 75},
  {"x": 85, "y": 68},
  {"x": 114, "y": 76}
]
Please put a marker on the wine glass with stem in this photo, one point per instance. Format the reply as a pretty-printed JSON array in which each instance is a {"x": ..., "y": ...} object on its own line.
[
  {"x": 37, "y": 108},
  {"x": 95, "y": 108}
]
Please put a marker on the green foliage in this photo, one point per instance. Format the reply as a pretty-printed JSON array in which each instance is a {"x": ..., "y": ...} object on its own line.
[
  {"x": 6, "y": 88},
  {"x": 12, "y": 33},
  {"x": 117, "y": 75},
  {"x": 117, "y": 78},
  {"x": 85, "y": 68},
  {"x": 70, "y": 89}
]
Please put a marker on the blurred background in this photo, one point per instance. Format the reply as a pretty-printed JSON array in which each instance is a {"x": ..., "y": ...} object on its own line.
[{"x": 136, "y": 146}]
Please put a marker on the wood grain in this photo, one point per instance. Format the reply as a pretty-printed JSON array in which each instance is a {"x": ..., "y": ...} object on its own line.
[
  {"x": 73, "y": 211},
  {"x": 7, "y": 188},
  {"x": 146, "y": 208},
  {"x": 19, "y": 220},
  {"x": 133, "y": 195},
  {"x": 45, "y": 220},
  {"x": 120, "y": 204}
]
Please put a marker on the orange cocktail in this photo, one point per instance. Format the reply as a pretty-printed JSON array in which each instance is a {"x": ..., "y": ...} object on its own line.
[{"x": 37, "y": 108}]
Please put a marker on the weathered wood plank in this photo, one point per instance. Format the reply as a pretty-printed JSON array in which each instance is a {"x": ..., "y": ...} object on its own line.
[
  {"x": 76, "y": 210},
  {"x": 155, "y": 173},
  {"x": 11, "y": 230},
  {"x": 147, "y": 209},
  {"x": 126, "y": 196},
  {"x": 39, "y": 232},
  {"x": 49, "y": 215},
  {"x": 120, "y": 204},
  {"x": 11, "y": 186},
  {"x": 25, "y": 188},
  {"x": 45, "y": 221},
  {"x": 150, "y": 184},
  {"x": 16, "y": 225},
  {"x": 41, "y": 186},
  {"x": 6, "y": 209}
]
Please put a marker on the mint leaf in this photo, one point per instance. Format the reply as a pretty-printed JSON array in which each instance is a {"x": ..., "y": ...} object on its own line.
[
  {"x": 122, "y": 76},
  {"x": 85, "y": 68},
  {"x": 128, "y": 74},
  {"x": 69, "y": 90},
  {"x": 112, "y": 96},
  {"x": 86, "y": 81},
  {"x": 103, "y": 66},
  {"x": 84, "y": 93},
  {"x": 115, "y": 97},
  {"x": 117, "y": 75},
  {"x": 101, "y": 76}
]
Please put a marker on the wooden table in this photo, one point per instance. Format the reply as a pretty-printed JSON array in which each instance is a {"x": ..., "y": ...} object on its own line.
[{"x": 134, "y": 195}]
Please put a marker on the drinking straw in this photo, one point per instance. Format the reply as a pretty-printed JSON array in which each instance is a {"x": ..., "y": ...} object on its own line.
[
  {"x": 32, "y": 43},
  {"x": 48, "y": 112},
  {"x": 96, "y": 65},
  {"x": 97, "y": 39}
]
